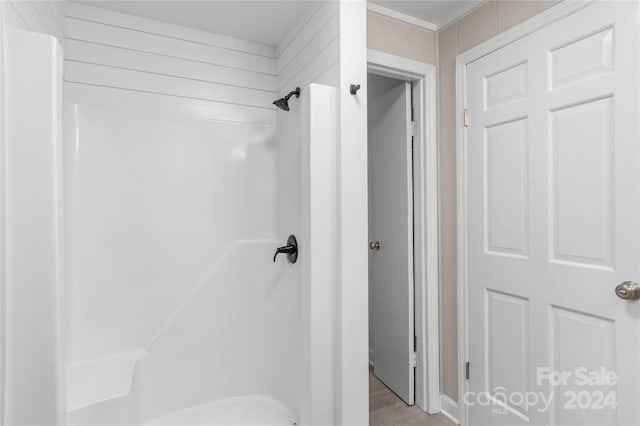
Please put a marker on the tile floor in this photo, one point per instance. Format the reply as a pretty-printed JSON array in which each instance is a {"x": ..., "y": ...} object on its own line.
[{"x": 386, "y": 409}]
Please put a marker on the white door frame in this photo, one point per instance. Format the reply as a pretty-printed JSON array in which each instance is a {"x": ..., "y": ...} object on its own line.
[
  {"x": 425, "y": 202},
  {"x": 3, "y": 308},
  {"x": 516, "y": 33}
]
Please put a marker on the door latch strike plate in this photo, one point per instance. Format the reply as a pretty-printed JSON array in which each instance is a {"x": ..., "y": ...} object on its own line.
[
  {"x": 466, "y": 369},
  {"x": 466, "y": 117}
]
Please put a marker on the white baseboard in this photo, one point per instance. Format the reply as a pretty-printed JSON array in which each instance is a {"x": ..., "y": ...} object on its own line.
[
  {"x": 371, "y": 357},
  {"x": 449, "y": 408}
]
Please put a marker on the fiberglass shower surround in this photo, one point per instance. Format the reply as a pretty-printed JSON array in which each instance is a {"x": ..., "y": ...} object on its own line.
[{"x": 168, "y": 195}]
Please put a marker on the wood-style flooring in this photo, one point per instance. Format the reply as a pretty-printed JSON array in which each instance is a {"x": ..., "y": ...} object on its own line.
[{"x": 386, "y": 409}]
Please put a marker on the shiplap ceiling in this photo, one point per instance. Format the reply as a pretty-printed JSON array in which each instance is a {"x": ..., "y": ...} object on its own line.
[
  {"x": 266, "y": 22},
  {"x": 438, "y": 12}
]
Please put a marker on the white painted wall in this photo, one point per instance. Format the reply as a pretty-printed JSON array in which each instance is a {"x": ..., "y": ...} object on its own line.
[
  {"x": 107, "y": 49},
  {"x": 309, "y": 54},
  {"x": 3, "y": 107},
  {"x": 352, "y": 348}
]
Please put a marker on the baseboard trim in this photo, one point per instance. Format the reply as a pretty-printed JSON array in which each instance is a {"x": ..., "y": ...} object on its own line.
[
  {"x": 371, "y": 357},
  {"x": 449, "y": 408}
]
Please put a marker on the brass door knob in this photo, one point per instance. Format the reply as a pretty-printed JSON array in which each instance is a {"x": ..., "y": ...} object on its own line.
[
  {"x": 628, "y": 290},
  {"x": 374, "y": 245}
]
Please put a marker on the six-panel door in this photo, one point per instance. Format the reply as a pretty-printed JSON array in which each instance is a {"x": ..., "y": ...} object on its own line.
[{"x": 553, "y": 224}]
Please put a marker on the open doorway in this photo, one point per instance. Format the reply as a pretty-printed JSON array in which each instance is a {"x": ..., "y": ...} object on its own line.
[
  {"x": 403, "y": 249},
  {"x": 392, "y": 336}
]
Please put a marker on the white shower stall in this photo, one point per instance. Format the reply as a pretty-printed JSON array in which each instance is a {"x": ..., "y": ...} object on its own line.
[{"x": 148, "y": 182}]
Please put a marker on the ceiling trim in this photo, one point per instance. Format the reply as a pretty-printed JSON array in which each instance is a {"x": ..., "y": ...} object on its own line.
[
  {"x": 459, "y": 16},
  {"x": 381, "y": 10}
]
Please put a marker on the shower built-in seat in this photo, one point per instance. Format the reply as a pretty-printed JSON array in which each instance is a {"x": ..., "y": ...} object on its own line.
[
  {"x": 246, "y": 410},
  {"x": 103, "y": 389},
  {"x": 104, "y": 392}
]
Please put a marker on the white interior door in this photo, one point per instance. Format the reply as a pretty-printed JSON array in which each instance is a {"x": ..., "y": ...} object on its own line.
[
  {"x": 391, "y": 224},
  {"x": 553, "y": 224}
]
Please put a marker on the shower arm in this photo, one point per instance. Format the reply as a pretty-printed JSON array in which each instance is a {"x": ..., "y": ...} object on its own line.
[{"x": 283, "y": 103}]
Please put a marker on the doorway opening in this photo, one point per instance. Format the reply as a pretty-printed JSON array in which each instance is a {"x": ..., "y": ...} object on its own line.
[
  {"x": 392, "y": 338},
  {"x": 403, "y": 229}
]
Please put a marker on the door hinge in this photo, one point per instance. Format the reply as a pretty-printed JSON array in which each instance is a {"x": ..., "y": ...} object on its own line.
[
  {"x": 414, "y": 360},
  {"x": 467, "y": 369},
  {"x": 412, "y": 128},
  {"x": 466, "y": 117}
]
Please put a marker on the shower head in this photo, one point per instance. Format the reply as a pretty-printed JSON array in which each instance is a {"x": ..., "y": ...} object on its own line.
[{"x": 283, "y": 103}]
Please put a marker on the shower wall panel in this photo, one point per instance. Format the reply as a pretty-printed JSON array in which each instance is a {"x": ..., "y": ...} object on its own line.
[
  {"x": 40, "y": 16},
  {"x": 153, "y": 201},
  {"x": 181, "y": 180},
  {"x": 170, "y": 178},
  {"x": 169, "y": 161},
  {"x": 31, "y": 249}
]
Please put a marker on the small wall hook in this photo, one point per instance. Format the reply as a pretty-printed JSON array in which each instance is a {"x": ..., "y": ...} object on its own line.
[{"x": 354, "y": 88}]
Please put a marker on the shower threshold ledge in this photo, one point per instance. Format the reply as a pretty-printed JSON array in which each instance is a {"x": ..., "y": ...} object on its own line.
[{"x": 246, "y": 410}]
